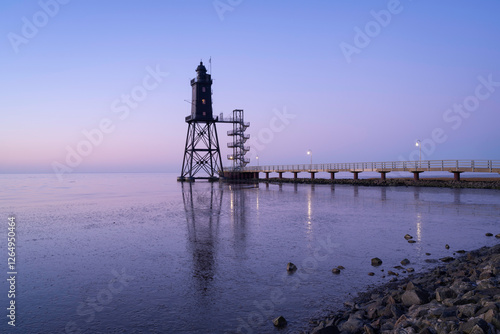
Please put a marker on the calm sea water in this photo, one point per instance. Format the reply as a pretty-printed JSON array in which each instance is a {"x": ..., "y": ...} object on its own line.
[{"x": 142, "y": 253}]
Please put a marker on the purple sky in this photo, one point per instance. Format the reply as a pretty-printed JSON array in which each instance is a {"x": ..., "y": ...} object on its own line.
[{"x": 350, "y": 80}]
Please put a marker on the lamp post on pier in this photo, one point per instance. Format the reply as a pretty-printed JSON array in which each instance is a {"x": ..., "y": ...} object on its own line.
[
  {"x": 419, "y": 145},
  {"x": 309, "y": 152}
]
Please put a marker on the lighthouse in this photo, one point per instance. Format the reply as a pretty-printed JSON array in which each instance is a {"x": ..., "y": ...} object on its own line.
[
  {"x": 201, "y": 106},
  {"x": 202, "y": 159}
]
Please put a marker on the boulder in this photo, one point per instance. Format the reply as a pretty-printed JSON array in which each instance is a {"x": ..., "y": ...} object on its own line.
[
  {"x": 485, "y": 274},
  {"x": 291, "y": 267},
  {"x": 279, "y": 322},
  {"x": 467, "y": 311},
  {"x": 475, "y": 325},
  {"x": 373, "y": 310},
  {"x": 447, "y": 259},
  {"x": 493, "y": 318},
  {"x": 414, "y": 295},
  {"x": 408, "y": 237},
  {"x": 405, "y": 262},
  {"x": 352, "y": 325},
  {"x": 368, "y": 329},
  {"x": 328, "y": 328},
  {"x": 336, "y": 271},
  {"x": 376, "y": 261},
  {"x": 443, "y": 293},
  {"x": 414, "y": 298},
  {"x": 411, "y": 241},
  {"x": 489, "y": 234}
]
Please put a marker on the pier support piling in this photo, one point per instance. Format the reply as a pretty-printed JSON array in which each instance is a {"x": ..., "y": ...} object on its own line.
[
  {"x": 456, "y": 175},
  {"x": 382, "y": 175},
  {"x": 295, "y": 175},
  {"x": 267, "y": 175},
  {"x": 312, "y": 175},
  {"x": 280, "y": 175},
  {"x": 355, "y": 174},
  {"x": 332, "y": 174},
  {"x": 416, "y": 175}
]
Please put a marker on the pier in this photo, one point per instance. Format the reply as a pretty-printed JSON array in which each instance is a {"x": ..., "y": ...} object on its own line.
[{"x": 456, "y": 167}]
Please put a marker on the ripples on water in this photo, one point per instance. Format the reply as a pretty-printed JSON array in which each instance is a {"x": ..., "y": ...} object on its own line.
[{"x": 211, "y": 257}]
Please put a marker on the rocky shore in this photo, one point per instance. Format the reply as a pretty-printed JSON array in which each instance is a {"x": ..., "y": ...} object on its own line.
[
  {"x": 460, "y": 296},
  {"x": 486, "y": 184}
]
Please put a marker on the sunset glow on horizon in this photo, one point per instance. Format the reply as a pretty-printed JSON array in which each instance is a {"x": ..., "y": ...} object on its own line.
[{"x": 102, "y": 87}]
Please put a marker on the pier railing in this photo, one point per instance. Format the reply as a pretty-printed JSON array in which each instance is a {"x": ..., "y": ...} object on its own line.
[{"x": 485, "y": 166}]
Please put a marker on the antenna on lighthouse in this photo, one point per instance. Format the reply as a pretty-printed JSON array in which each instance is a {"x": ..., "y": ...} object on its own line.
[{"x": 210, "y": 64}]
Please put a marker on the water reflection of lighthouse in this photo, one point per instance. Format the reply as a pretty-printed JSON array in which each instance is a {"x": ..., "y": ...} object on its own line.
[{"x": 202, "y": 203}]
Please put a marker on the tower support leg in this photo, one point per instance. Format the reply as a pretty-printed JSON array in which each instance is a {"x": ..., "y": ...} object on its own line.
[{"x": 202, "y": 157}]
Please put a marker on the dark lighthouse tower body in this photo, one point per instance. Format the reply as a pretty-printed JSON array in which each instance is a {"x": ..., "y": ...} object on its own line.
[{"x": 202, "y": 159}]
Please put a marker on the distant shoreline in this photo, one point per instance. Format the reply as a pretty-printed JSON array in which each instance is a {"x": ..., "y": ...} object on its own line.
[{"x": 476, "y": 183}]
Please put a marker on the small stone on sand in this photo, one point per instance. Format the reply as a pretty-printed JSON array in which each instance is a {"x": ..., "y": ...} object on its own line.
[{"x": 279, "y": 321}]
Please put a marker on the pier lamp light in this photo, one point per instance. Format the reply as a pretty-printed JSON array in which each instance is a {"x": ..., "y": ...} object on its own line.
[
  {"x": 257, "y": 158},
  {"x": 309, "y": 152},
  {"x": 419, "y": 145}
]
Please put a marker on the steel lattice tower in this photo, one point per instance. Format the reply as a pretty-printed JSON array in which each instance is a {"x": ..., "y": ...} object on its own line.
[
  {"x": 239, "y": 139},
  {"x": 202, "y": 152}
]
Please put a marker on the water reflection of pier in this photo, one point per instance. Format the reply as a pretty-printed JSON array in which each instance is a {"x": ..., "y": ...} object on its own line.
[{"x": 238, "y": 214}]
